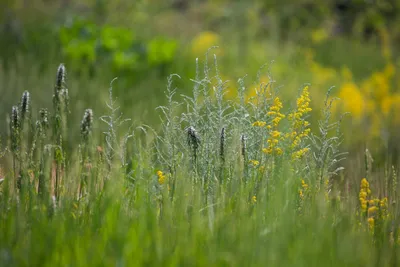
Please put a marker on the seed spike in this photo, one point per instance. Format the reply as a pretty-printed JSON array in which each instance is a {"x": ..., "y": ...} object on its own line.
[
  {"x": 25, "y": 104},
  {"x": 60, "y": 80},
  {"x": 243, "y": 141},
  {"x": 193, "y": 140},
  {"x": 86, "y": 124},
  {"x": 222, "y": 144}
]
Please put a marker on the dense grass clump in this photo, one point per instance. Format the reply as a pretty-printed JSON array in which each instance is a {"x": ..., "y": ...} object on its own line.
[{"x": 223, "y": 182}]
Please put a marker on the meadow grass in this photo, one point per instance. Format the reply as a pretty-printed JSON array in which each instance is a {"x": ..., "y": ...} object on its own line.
[{"x": 219, "y": 183}]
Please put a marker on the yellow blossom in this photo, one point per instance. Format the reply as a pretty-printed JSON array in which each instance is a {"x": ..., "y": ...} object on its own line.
[
  {"x": 203, "y": 41},
  {"x": 161, "y": 177},
  {"x": 352, "y": 99},
  {"x": 275, "y": 134},
  {"x": 372, "y": 210},
  {"x": 371, "y": 223},
  {"x": 301, "y": 194},
  {"x": 279, "y": 151},
  {"x": 300, "y": 153},
  {"x": 254, "y": 162},
  {"x": 259, "y": 124},
  {"x": 303, "y": 184},
  {"x": 299, "y": 124}
]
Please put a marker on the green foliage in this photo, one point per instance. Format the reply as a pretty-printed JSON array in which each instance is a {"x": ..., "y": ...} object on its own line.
[
  {"x": 85, "y": 44},
  {"x": 191, "y": 194}
]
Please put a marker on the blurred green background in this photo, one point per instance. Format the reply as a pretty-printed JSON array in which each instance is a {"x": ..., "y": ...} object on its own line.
[{"x": 351, "y": 45}]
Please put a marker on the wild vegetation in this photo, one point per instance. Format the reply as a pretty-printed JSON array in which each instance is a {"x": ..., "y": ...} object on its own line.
[
  {"x": 224, "y": 182},
  {"x": 229, "y": 161}
]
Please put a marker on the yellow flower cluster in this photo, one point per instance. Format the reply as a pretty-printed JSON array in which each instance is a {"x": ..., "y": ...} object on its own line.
[
  {"x": 254, "y": 163},
  {"x": 300, "y": 126},
  {"x": 364, "y": 101},
  {"x": 273, "y": 140},
  {"x": 254, "y": 199},
  {"x": 259, "y": 123},
  {"x": 303, "y": 190},
  {"x": 363, "y": 195},
  {"x": 203, "y": 41},
  {"x": 375, "y": 209},
  {"x": 274, "y": 111},
  {"x": 161, "y": 177},
  {"x": 300, "y": 153}
]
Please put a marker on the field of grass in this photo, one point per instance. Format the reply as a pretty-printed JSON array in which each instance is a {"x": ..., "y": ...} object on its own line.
[
  {"x": 229, "y": 136},
  {"x": 222, "y": 182}
]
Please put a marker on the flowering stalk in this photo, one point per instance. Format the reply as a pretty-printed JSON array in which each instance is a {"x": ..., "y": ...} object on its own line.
[
  {"x": 86, "y": 129},
  {"x": 42, "y": 126},
  {"x": 15, "y": 138},
  {"x": 274, "y": 134},
  {"x": 60, "y": 105},
  {"x": 193, "y": 142},
  {"x": 24, "y": 110},
  {"x": 300, "y": 126}
]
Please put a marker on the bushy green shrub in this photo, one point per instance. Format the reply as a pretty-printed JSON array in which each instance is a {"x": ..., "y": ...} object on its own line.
[{"x": 85, "y": 44}]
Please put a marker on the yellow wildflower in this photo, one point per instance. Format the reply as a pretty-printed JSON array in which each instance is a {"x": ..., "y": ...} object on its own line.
[
  {"x": 273, "y": 140},
  {"x": 364, "y": 183},
  {"x": 304, "y": 185},
  {"x": 300, "y": 153},
  {"x": 299, "y": 124},
  {"x": 254, "y": 162},
  {"x": 254, "y": 199},
  {"x": 267, "y": 150},
  {"x": 161, "y": 177},
  {"x": 203, "y": 41},
  {"x": 301, "y": 194},
  {"x": 371, "y": 223},
  {"x": 259, "y": 124},
  {"x": 275, "y": 134},
  {"x": 363, "y": 195},
  {"x": 372, "y": 210},
  {"x": 279, "y": 151},
  {"x": 352, "y": 98}
]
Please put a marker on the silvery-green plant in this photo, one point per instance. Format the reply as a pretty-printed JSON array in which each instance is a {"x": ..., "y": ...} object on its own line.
[
  {"x": 116, "y": 143},
  {"x": 326, "y": 153}
]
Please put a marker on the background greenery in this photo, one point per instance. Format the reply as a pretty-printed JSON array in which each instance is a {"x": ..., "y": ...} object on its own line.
[{"x": 351, "y": 45}]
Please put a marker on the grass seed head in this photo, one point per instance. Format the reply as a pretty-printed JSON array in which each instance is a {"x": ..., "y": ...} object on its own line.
[
  {"x": 15, "y": 125},
  {"x": 193, "y": 138},
  {"x": 60, "y": 79},
  {"x": 44, "y": 116},
  {"x": 86, "y": 124},
  {"x": 25, "y": 104}
]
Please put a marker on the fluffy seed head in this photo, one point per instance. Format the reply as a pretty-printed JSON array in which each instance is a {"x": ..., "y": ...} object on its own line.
[
  {"x": 86, "y": 124},
  {"x": 193, "y": 138},
  {"x": 44, "y": 116},
  {"x": 15, "y": 128},
  {"x": 65, "y": 99},
  {"x": 15, "y": 120},
  {"x": 43, "y": 122},
  {"x": 243, "y": 141},
  {"x": 60, "y": 79},
  {"x": 25, "y": 104}
]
